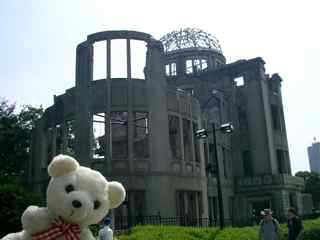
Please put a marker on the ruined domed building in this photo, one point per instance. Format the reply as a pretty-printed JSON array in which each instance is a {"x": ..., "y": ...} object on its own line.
[{"x": 139, "y": 128}]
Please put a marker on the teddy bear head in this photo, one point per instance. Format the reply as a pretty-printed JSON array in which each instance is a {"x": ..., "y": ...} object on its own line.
[{"x": 79, "y": 194}]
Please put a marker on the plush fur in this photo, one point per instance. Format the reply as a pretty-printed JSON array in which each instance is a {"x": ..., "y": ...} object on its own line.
[{"x": 70, "y": 184}]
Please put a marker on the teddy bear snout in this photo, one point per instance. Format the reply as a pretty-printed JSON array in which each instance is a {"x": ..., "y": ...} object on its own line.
[{"x": 76, "y": 204}]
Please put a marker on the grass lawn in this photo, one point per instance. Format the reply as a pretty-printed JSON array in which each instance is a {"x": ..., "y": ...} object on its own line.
[{"x": 312, "y": 232}]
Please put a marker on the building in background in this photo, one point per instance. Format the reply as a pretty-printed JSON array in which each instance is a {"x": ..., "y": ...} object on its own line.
[
  {"x": 137, "y": 126},
  {"x": 314, "y": 156}
]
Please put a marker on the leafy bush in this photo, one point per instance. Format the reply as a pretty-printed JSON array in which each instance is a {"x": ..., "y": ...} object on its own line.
[
  {"x": 13, "y": 201},
  {"x": 169, "y": 233},
  {"x": 311, "y": 227},
  {"x": 243, "y": 233},
  {"x": 95, "y": 229}
]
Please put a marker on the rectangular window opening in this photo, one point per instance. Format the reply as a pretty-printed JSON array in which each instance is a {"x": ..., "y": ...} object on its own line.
[
  {"x": 58, "y": 139},
  {"x": 189, "y": 66},
  {"x": 275, "y": 117},
  {"x": 204, "y": 64},
  {"x": 188, "y": 90},
  {"x": 119, "y": 133},
  {"x": 168, "y": 70},
  {"x": 196, "y": 65},
  {"x": 141, "y": 135},
  {"x": 173, "y": 69},
  {"x": 99, "y": 60},
  {"x": 206, "y": 155},
  {"x": 187, "y": 140},
  {"x": 225, "y": 162},
  {"x": 174, "y": 137},
  {"x": 287, "y": 161},
  {"x": 119, "y": 58},
  {"x": 243, "y": 119},
  {"x": 212, "y": 161},
  {"x": 138, "y": 58},
  {"x": 247, "y": 163},
  {"x": 258, "y": 206},
  {"x": 70, "y": 148},
  {"x": 213, "y": 209},
  {"x": 196, "y": 144},
  {"x": 189, "y": 203},
  {"x": 134, "y": 209},
  {"x": 239, "y": 81},
  {"x": 281, "y": 161},
  {"x": 282, "y": 122},
  {"x": 99, "y": 135}
]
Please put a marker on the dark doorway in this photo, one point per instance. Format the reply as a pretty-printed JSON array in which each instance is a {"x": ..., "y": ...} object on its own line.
[{"x": 257, "y": 207}]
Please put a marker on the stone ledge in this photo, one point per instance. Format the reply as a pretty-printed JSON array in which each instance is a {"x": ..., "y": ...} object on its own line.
[{"x": 268, "y": 181}]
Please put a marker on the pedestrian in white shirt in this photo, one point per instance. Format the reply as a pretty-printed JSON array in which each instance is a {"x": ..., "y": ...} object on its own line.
[{"x": 106, "y": 232}]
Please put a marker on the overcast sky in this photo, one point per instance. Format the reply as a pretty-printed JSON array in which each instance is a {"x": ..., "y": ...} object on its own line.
[{"x": 38, "y": 41}]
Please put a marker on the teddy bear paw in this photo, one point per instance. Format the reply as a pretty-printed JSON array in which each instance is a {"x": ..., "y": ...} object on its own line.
[{"x": 35, "y": 219}]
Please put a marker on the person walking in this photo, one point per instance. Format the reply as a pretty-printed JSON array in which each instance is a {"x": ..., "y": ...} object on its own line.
[
  {"x": 269, "y": 227},
  {"x": 106, "y": 232},
  {"x": 295, "y": 226}
]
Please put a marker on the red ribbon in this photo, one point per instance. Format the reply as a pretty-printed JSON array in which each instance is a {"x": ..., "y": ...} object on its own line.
[{"x": 59, "y": 228}]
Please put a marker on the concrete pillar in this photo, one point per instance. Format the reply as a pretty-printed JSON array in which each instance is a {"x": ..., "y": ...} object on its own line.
[
  {"x": 64, "y": 136},
  {"x": 204, "y": 199},
  {"x": 280, "y": 202},
  {"x": 157, "y": 94},
  {"x": 160, "y": 199},
  {"x": 39, "y": 162},
  {"x": 193, "y": 150},
  {"x": 210, "y": 62},
  {"x": 204, "y": 181},
  {"x": 259, "y": 120},
  {"x": 83, "y": 118},
  {"x": 181, "y": 144},
  {"x": 131, "y": 122},
  {"x": 108, "y": 147},
  {"x": 299, "y": 202},
  {"x": 181, "y": 66},
  {"x": 197, "y": 205},
  {"x": 242, "y": 214}
]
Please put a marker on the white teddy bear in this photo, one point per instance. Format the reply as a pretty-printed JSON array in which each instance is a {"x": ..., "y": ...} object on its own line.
[{"x": 76, "y": 198}]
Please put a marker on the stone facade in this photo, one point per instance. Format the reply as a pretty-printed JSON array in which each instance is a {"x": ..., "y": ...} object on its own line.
[
  {"x": 254, "y": 161},
  {"x": 140, "y": 131}
]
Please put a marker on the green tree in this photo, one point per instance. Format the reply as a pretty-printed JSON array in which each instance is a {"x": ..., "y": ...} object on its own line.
[
  {"x": 15, "y": 139},
  {"x": 13, "y": 201},
  {"x": 303, "y": 174},
  {"x": 312, "y": 184}
]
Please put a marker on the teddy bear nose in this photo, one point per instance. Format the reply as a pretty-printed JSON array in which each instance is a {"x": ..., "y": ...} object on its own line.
[{"x": 76, "y": 204}]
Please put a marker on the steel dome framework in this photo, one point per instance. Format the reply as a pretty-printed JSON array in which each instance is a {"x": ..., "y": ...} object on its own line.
[{"x": 190, "y": 38}]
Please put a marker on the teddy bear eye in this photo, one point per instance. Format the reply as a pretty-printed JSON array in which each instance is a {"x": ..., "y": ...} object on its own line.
[
  {"x": 96, "y": 204},
  {"x": 69, "y": 188}
]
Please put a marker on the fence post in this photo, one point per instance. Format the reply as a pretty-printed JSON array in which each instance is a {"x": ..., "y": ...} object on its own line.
[{"x": 159, "y": 218}]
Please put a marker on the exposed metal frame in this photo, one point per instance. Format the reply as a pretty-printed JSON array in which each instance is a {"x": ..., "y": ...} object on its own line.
[{"x": 190, "y": 38}]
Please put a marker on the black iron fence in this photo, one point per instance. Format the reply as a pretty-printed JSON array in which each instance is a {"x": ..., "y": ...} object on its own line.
[
  {"x": 123, "y": 223},
  {"x": 126, "y": 222}
]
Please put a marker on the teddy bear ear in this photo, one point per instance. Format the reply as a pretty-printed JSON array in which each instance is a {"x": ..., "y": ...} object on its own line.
[
  {"x": 117, "y": 194},
  {"x": 62, "y": 165}
]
